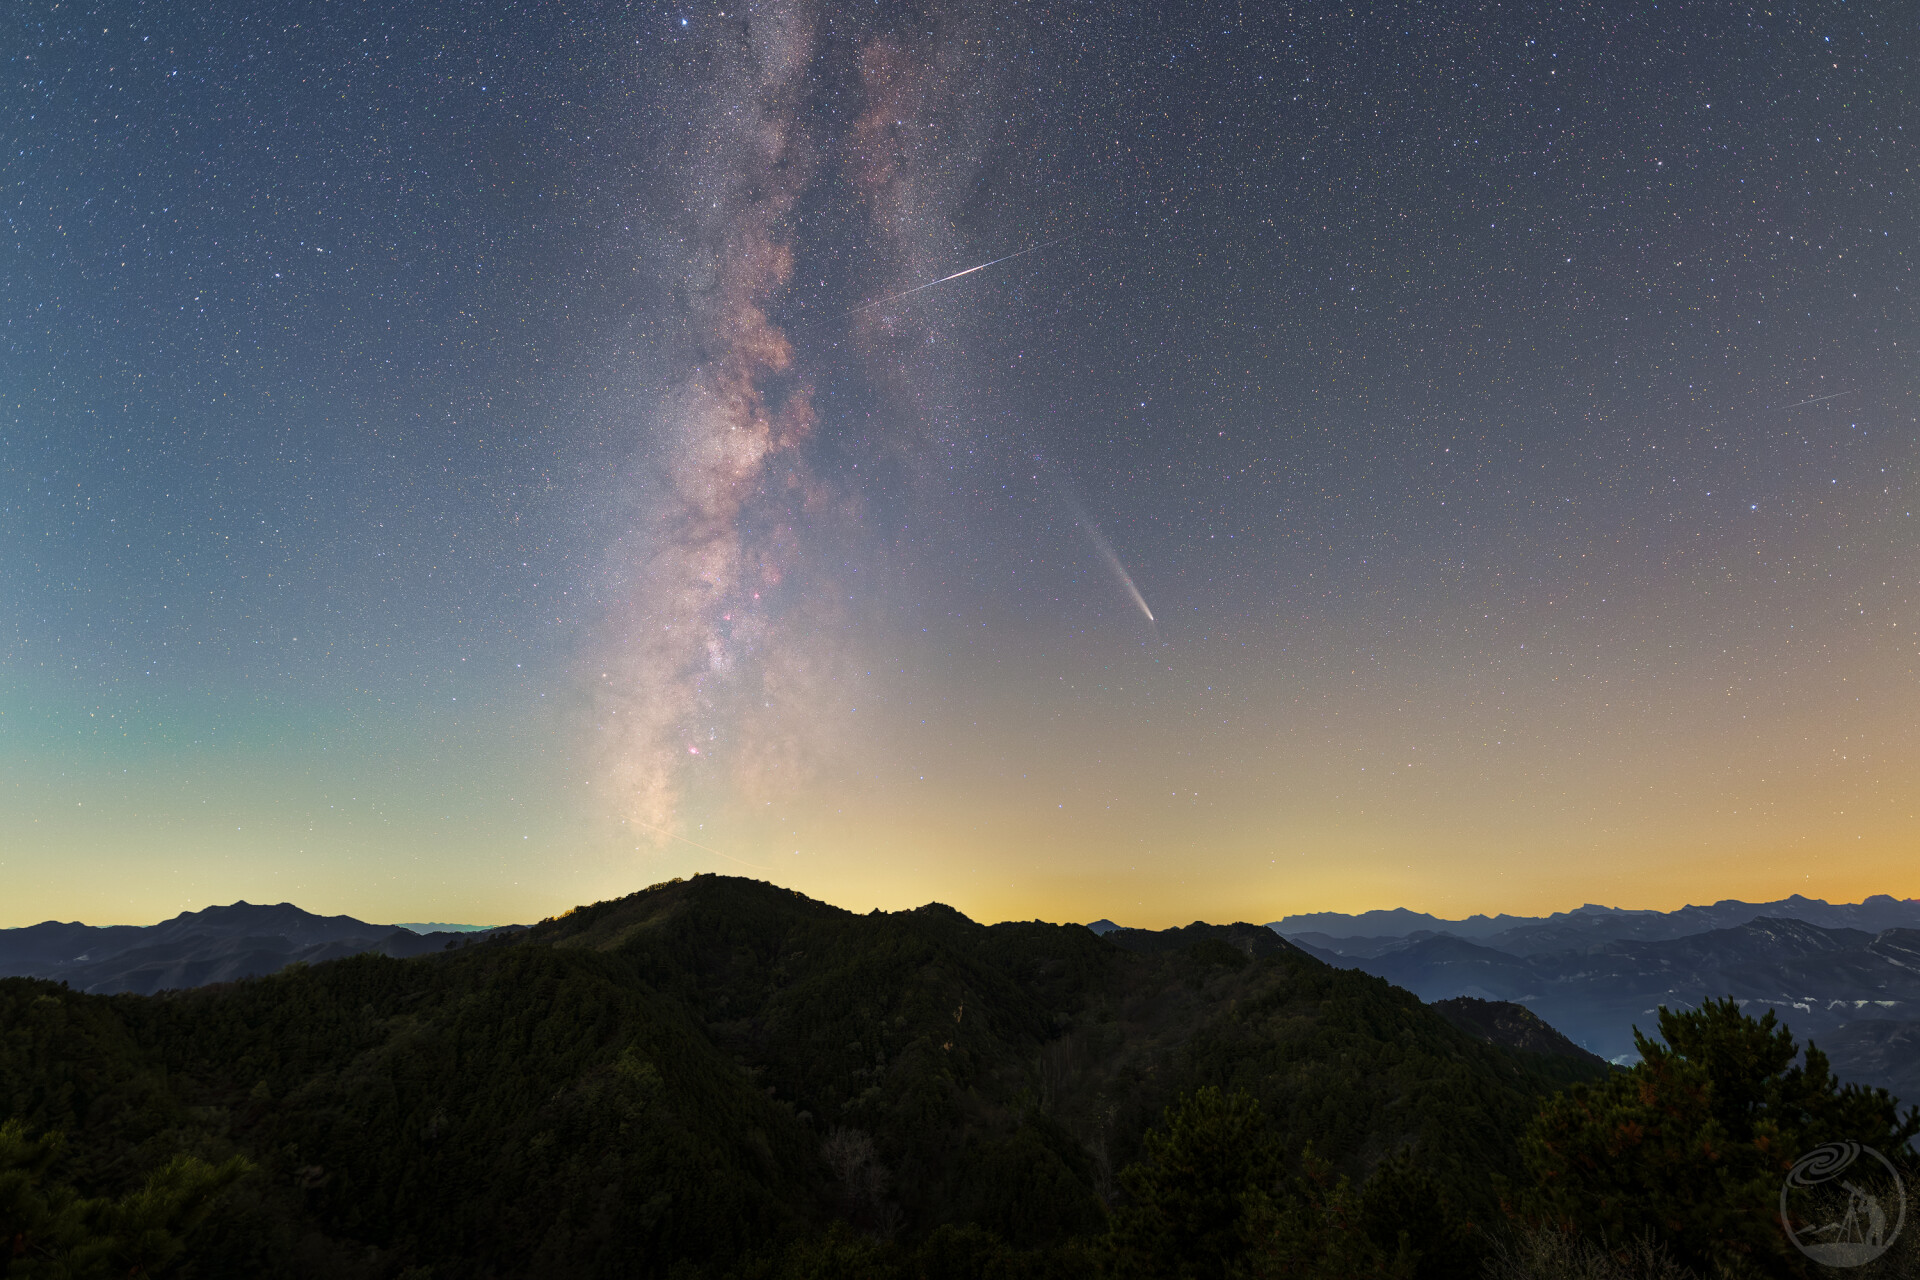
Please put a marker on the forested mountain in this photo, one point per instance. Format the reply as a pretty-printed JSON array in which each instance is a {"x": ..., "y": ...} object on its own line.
[
  {"x": 701, "y": 1071},
  {"x": 1513, "y": 1025},
  {"x": 719, "y": 1078}
]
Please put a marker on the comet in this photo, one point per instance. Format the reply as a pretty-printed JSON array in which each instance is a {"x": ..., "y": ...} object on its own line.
[
  {"x": 1101, "y": 545},
  {"x": 895, "y": 297},
  {"x": 1112, "y": 558}
]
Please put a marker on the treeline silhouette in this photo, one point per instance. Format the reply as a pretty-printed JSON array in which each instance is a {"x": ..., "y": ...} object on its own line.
[{"x": 719, "y": 1077}]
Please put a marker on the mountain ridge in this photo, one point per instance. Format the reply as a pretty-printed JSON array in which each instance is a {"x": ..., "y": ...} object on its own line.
[
  {"x": 1597, "y": 923},
  {"x": 695, "y": 1072},
  {"x": 1829, "y": 985},
  {"x": 221, "y": 943}
]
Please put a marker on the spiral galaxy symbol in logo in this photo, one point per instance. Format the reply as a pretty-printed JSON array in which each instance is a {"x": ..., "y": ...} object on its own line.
[{"x": 1843, "y": 1205}]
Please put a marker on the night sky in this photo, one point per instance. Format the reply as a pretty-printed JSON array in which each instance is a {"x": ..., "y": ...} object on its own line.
[{"x": 461, "y": 461}]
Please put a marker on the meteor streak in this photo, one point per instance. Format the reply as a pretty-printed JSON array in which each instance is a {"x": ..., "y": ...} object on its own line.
[
  {"x": 669, "y": 835},
  {"x": 894, "y": 297},
  {"x": 1816, "y": 400}
]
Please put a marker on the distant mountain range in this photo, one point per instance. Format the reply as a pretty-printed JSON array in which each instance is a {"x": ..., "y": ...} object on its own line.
[
  {"x": 195, "y": 948},
  {"x": 1846, "y": 976},
  {"x": 1589, "y": 925}
]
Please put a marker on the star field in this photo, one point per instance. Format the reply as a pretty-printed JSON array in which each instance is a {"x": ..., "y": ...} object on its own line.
[{"x": 455, "y": 461}]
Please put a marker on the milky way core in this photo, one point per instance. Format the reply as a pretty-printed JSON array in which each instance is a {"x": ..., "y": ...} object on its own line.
[{"x": 706, "y": 665}]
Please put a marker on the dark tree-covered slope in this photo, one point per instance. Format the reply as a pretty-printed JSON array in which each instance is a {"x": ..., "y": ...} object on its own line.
[
  {"x": 1513, "y": 1025},
  {"x": 703, "y": 1073}
]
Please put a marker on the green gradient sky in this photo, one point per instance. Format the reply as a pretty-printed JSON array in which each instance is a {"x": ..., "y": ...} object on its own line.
[{"x": 1205, "y": 778}]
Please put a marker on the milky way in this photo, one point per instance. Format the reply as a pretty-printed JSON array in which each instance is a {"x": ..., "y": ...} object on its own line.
[
  {"x": 703, "y": 668},
  {"x": 727, "y": 655}
]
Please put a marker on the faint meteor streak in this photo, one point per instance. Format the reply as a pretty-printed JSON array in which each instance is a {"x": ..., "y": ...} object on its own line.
[
  {"x": 664, "y": 834},
  {"x": 894, "y": 297},
  {"x": 1816, "y": 400}
]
